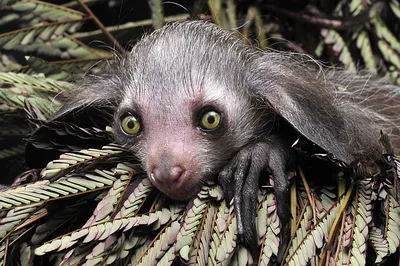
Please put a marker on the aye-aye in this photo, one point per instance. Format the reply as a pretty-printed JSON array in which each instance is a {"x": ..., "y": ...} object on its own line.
[{"x": 193, "y": 102}]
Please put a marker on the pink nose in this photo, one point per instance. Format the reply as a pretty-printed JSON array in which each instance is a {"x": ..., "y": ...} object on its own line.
[{"x": 167, "y": 174}]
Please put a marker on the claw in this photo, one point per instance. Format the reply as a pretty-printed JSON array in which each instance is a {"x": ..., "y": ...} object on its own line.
[{"x": 240, "y": 178}]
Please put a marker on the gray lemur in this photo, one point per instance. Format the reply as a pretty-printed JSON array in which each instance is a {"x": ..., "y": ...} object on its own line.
[{"x": 193, "y": 102}]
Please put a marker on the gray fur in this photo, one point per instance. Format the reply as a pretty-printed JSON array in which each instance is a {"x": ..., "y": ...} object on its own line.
[{"x": 169, "y": 75}]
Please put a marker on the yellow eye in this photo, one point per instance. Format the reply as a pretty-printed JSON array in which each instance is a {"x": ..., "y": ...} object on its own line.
[
  {"x": 130, "y": 125},
  {"x": 210, "y": 120}
]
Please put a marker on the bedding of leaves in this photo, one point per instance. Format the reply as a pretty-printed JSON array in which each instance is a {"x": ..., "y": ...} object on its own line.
[{"x": 84, "y": 200}]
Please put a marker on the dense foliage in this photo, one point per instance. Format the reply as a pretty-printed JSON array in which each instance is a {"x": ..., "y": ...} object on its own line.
[{"x": 82, "y": 200}]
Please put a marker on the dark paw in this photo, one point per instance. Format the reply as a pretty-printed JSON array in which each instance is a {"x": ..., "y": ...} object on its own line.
[{"x": 239, "y": 180}]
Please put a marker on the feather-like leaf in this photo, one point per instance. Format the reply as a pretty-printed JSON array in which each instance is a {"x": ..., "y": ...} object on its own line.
[
  {"x": 339, "y": 47},
  {"x": 30, "y": 13},
  {"x": 69, "y": 161},
  {"x": 362, "y": 218},
  {"x": 271, "y": 239},
  {"x": 131, "y": 204},
  {"x": 313, "y": 239},
  {"x": 379, "y": 243},
  {"x": 200, "y": 250},
  {"x": 160, "y": 246},
  {"x": 384, "y": 33},
  {"x": 192, "y": 220},
  {"x": 364, "y": 44},
  {"x": 389, "y": 54}
]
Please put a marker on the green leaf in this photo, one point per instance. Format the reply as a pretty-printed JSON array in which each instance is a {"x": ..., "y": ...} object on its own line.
[{"x": 339, "y": 47}]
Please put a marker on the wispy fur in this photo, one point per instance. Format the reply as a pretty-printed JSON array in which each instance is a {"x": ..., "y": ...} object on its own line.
[{"x": 176, "y": 71}]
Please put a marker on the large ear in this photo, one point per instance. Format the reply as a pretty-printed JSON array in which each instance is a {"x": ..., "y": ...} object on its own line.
[
  {"x": 93, "y": 92},
  {"x": 307, "y": 101},
  {"x": 79, "y": 124}
]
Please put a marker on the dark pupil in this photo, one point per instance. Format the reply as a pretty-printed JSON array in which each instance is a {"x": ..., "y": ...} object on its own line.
[
  {"x": 131, "y": 124},
  {"x": 211, "y": 119}
]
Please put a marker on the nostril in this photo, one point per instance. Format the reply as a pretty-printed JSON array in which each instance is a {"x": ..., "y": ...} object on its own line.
[
  {"x": 156, "y": 175},
  {"x": 175, "y": 172}
]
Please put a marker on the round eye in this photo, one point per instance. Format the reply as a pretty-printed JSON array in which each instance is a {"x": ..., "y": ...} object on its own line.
[
  {"x": 130, "y": 125},
  {"x": 210, "y": 120}
]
